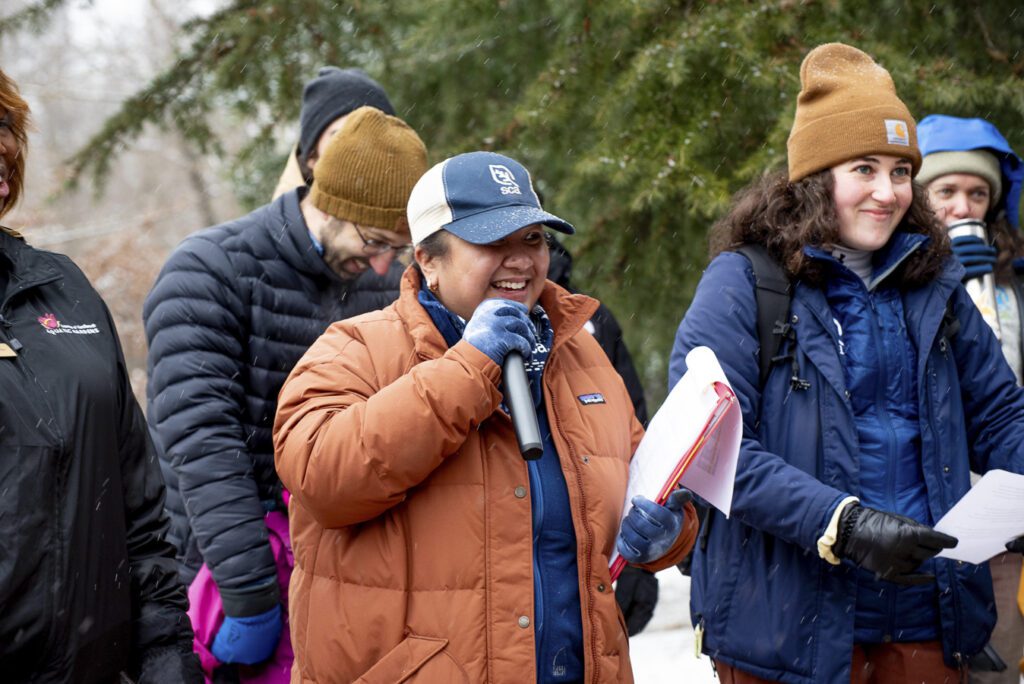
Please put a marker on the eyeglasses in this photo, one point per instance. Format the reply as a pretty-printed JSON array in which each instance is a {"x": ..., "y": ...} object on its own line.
[{"x": 376, "y": 247}]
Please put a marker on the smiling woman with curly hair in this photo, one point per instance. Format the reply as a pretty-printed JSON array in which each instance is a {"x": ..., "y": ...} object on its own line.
[
  {"x": 787, "y": 217},
  {"x": 887, "y": 389}
]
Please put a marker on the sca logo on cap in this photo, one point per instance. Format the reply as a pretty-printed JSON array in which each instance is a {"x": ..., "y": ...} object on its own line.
[{"x": 503, "y": 177}]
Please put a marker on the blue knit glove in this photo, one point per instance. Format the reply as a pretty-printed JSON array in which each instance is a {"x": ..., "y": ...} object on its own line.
[
  {"x": 499, "y": 326},
  {"x": 248, "y": 640},
  {"x": 649, "y": 529},
  {"x": 977, "y": 256}
]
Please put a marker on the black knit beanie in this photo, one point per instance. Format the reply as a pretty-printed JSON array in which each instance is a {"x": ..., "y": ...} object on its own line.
[{"x": 335, "y": 92}]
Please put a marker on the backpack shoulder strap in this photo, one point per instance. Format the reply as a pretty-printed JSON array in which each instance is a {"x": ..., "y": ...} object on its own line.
[{"x": 773, "y": 295}]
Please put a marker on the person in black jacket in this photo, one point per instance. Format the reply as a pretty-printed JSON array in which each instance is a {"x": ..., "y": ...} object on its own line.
[
  {"x": 231, "y": 312},
  {"x": 89, "y": 591},
  {"x": 604, "y": 328},
  {"x": 636, "y": 590}
]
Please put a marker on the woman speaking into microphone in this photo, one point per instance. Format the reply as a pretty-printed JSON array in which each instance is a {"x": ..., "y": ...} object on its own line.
[{"x": 426, "y": 547}]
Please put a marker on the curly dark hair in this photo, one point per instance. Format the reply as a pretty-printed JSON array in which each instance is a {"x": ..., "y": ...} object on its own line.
[
  {"x": 786, "y": 217},
  {"x": 1009, "y": 246}
]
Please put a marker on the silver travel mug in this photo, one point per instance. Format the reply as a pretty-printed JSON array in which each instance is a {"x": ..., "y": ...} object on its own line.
[{"x": 982, "y": 290}]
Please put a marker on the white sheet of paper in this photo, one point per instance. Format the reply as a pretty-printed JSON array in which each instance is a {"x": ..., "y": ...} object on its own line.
[
  {"x": 675, "y": 428},
  {"x": 988, "y": 516}
]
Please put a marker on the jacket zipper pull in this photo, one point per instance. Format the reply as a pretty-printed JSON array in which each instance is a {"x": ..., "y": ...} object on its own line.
[
  {"x": 961, "y": 666},
  {"x": 698, "y": 640}
]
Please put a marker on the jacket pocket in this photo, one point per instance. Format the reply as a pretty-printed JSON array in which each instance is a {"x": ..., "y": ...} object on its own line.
[
  {"x": 416, "y": 659},
  {"x": 28, "y": 518}
]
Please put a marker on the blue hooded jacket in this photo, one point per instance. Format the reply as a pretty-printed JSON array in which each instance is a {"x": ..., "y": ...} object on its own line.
[
  {"x": 767, "y": 603},
  {"x": 941, "y": 133}
]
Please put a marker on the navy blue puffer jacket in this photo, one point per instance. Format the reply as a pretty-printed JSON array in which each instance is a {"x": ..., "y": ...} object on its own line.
[
  {"x": 768, "y": 604},
  {"x": 232, "y": 311},
  {"x": 878, "y": 362}
]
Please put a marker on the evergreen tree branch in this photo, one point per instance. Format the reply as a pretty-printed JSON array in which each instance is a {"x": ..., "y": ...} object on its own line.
[
  {"x": 33, "y": 18},
  {"x": 250, "y": 58},
  {"x": 993, "y": 51},
  {"x": 121, "y": 128},
  {"x": 638, "y": 119}
]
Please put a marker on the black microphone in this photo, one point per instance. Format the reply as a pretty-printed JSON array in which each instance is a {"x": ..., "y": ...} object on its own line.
[{"x": 520, "y": 405}]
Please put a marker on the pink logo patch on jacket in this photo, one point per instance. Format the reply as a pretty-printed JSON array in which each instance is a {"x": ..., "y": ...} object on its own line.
[{"x": 49, "y": 321}]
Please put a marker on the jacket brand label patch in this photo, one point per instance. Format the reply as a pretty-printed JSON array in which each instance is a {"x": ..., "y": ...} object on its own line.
[
  {"x": 54, "y": 327},
  {"x": 595, "y": 398},
  {"x": 896, "y": 132},
  {"x": 839, "y": 332}
]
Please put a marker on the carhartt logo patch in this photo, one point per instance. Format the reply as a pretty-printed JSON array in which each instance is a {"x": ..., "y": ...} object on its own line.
[
  {"x": 54, "y": 327},
  {"x": 595, "y": 398},
  {"x": 896, "y": 132},
  {"x": 503, "y": 177}
]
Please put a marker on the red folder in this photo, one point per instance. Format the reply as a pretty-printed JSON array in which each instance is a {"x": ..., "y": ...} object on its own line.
[{"x": 706, "y": 438}]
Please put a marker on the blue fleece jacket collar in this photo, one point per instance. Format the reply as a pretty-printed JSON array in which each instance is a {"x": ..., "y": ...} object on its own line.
[{"x": 886, "y": 260}]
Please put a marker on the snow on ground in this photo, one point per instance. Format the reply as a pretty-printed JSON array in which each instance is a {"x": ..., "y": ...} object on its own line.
[{"x": 664, "y": 651}]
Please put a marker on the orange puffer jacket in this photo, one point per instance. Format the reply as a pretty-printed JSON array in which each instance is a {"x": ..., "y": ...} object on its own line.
[{"x": 410, "y": 509}]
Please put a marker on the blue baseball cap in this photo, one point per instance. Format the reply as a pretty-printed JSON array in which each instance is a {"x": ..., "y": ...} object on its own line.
[{"x": 478, "y": 196}]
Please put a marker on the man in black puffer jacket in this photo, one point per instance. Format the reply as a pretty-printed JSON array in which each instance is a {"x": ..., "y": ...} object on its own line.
[{"x": 232, "y": 311}]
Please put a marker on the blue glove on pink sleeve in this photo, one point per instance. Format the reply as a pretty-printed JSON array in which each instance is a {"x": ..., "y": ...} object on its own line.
[
  {"x": 248, "y": 640},
  {"x": 649, "y": 529},
  {"x": 499, "y": 326}
]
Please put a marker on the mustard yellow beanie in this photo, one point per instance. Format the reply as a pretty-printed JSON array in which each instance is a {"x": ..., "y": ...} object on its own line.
[
  {"x": 368, "y": 171},
  {"x": 847, "y": 108}
]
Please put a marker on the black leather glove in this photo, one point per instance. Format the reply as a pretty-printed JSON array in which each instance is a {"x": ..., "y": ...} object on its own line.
[
  {"x": 1016, "y": 545},
  {"x": 636, "y": 591},
  {"x": 889, "y": 545}
]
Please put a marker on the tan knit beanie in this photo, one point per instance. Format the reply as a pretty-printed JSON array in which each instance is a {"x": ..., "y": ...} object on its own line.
[
  {"x": 847, "y": 108},
  {"x": 368, "y": 170},
  {"x": 980, "y": 163}
]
